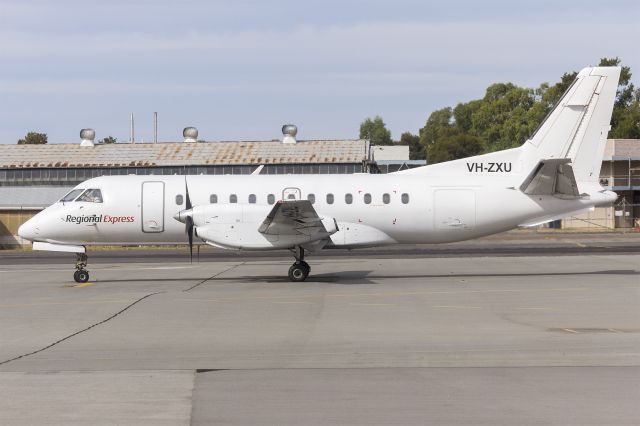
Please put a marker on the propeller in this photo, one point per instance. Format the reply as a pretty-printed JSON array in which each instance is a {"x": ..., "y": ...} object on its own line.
[
  {"x": 189, "y": 219},
  {"x": 186, "y": 216}
]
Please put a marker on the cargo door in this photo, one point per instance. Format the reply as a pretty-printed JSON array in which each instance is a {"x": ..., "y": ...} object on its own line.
[
  {"x": 152, "y": 207},
  {"x": 455, "y": 209}
]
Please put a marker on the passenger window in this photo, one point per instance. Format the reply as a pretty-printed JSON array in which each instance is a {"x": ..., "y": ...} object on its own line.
[
  {"x": 405, "y": 198},
  {"x": 367, "y": 198},
  {"x": 348, "y": 198},
  {"x": 329, "y": 198},
  {"x": 91, "y": 196},
  {"x": 252, "y": 198},
  {"x": 386, "y": 198},
  {"x": 271, "y": 198},
  {"x": 71, "y": 195},
  {"x": 213, "y": 198},
  {"x": 233, "y": 198},
  {"x": 179, "y": 199},
  {"x": 311, "y": 198}
]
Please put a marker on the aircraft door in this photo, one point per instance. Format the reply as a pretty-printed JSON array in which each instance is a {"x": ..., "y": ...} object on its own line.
[
  {"x": 152, "y": 207},
  {"x": 291, "y": 194}
]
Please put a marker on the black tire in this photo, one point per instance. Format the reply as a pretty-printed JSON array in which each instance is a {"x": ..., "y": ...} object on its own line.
[
  {"x": 298, "y": 273},
  {"x": 81, "y": 276},
  {"x": 306, "y": 266}
]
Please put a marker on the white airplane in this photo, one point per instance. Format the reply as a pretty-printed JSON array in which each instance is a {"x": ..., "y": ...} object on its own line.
[{"x": 552, "y": 175}]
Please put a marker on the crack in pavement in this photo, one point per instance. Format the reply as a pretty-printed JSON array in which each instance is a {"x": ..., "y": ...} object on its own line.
[
  {"x": 112, "y": 317},
  {"x": 81, "y": 331}
]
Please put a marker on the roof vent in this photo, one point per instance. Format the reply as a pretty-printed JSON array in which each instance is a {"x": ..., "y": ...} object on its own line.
[
  {"x": 190, "y": 134},
  {"x": 289, "y": 132},
  {"x": 87, "y": 136}
]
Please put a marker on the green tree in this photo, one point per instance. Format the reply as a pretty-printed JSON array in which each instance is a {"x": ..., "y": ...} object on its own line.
[
  {"x": 416, "y": 149},
  {"x": 625, "y": 120},
  {"x": 33, "y": 138},
  {"x": 376, "y": 131},
  {"x": 108, "y": 140},
  {"x": 454, "y": 147},
  {"x": 508, "y": 115}
]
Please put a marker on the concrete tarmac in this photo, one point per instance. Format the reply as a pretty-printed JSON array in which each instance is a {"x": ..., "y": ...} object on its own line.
[{"x": 445, "y": 340}]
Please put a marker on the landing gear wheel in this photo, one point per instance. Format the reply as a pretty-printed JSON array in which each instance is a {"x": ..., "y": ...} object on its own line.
[
  {"x": 81, "y": 276},
  {"x": 306, "y": 266},
  {"x": 299, "y": 272}
]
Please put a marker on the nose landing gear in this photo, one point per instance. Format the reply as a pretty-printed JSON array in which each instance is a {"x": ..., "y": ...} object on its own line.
[
  {"x": 81, "y": 275},
  {"x": 300, "y": 269}
]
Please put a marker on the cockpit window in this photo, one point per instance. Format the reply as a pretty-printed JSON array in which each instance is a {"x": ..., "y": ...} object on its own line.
[
  {"x": 71, "y": 195},
  {"x": 91, "y": 196}
]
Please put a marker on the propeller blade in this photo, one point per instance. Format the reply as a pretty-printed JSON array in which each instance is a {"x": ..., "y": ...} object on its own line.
[
  {"x": 188, "y": 219},
  {"x": 189, "y": 223}
]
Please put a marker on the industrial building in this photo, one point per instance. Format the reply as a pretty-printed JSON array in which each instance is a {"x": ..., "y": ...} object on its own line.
[
  {"x": 35, "y": 176},
  {"x": 620, "y": 172}
]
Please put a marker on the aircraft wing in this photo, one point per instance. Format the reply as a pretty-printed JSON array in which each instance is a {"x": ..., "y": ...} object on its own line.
[{"x": 295, "y": 217}]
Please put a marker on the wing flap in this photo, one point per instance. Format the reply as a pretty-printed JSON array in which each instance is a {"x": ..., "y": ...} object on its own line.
[{"x": 293, "y": 217}]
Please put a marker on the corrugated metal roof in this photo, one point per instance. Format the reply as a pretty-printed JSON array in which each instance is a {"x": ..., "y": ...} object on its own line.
[
  {"x": 183, "y": 153},
  {"x": 16, "y": 197}
]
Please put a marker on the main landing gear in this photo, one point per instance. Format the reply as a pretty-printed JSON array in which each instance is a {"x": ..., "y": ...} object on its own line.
[
  {"x": 81, "y": 275},
  {"x": 300, "y": 269}
]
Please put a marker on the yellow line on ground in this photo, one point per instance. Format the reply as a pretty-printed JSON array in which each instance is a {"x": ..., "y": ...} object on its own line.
[
  {"x": 537, "y": 309},
  {"x": 78, "y": 285},
  {"x": 373, "y": 304},
  {"x": 88, "y": 302},
  {"x": 571, "y": 330},
  {"x": 408, "y": 293},
  {"x": 456, "y": 307}
]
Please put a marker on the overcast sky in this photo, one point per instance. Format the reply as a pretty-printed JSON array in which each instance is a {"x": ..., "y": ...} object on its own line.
[{"x": 238, "y": 70}]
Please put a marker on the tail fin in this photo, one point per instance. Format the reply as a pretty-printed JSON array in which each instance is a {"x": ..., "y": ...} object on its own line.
[{"x": 578, "y": 126}]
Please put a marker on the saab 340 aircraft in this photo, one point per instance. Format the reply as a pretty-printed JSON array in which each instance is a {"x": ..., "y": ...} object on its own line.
[{"x": 552, "y": 175}]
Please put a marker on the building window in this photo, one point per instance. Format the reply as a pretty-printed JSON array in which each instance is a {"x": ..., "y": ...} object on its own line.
[
  {"x": 367, "y": 198},
  {"x": 213, "y": 198},
  {"x": 311, "y": 198},
  {"x": 348, "y": 198},
  {"x": 329, "y": 198},
  {"x": 405, "y": 198},
  {"x": 271, "y": 198},
  {"x": 386, "y": 198},
  {"x": 252, "y": 198},
  {"x": 233, "y": 198},
  {"x": 179, "y": 199}
]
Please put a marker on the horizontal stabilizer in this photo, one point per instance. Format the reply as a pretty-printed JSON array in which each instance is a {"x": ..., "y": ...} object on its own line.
[{"x": 552, "y": 177}]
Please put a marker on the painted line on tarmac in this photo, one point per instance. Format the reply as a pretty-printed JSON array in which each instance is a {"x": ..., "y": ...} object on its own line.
[
  {"x": 456, "y": 307},
  {"x": 408, "y": 293},
  {"x": 88, "y": 302}
]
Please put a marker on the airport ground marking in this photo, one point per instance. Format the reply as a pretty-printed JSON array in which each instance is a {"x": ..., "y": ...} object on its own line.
[
  {"x": 456, "y": 307},
  {"x": 87, "y": 302},
  {"x": 378, "y": 294}
]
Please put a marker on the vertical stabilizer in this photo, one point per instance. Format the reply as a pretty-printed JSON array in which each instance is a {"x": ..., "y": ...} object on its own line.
[{"x": 578, "y": 126}]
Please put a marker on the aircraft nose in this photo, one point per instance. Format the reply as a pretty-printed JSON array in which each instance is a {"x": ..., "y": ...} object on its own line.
[{"x": 29, "y": 230}]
